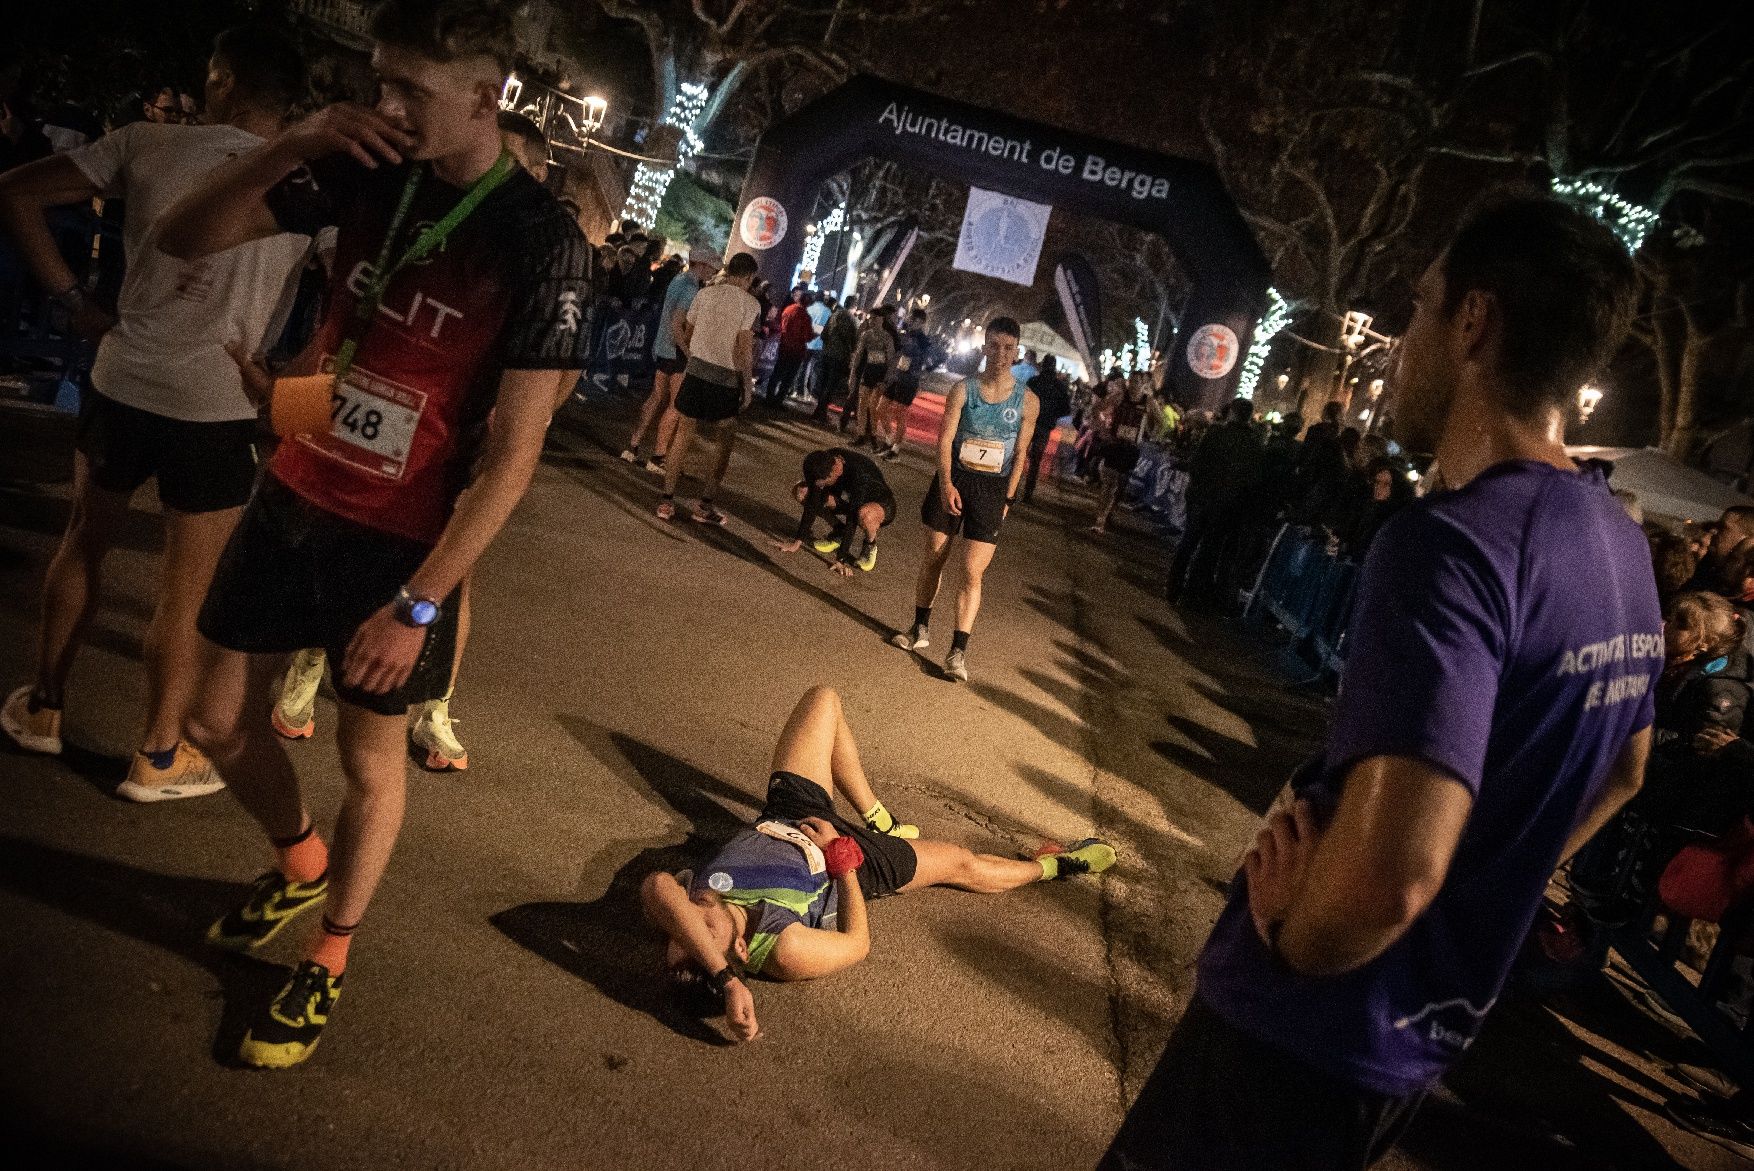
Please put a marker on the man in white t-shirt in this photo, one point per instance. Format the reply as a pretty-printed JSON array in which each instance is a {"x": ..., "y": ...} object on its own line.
[
  {"x": 717, "y": 383},
  {"x": 168, "y": 401}
]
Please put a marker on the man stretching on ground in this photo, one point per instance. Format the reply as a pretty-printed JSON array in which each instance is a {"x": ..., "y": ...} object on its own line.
[
  {"x": 718, "y": 382},
  {"x": 988, "y": 421},
  {"x": 849, "y": 485},
  {"x": 785, "y": 899},
  {"x": 167, "y": 403},
  {"x": 460, "y": 291},
  {"x": 671, "y": 353}
]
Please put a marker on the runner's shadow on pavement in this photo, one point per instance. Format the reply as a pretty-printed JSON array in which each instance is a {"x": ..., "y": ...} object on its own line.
[
  {"x": 1523, "y": 1096},
  {"x": 605, "y": 941},
  {"x": 170, "y": 912}
]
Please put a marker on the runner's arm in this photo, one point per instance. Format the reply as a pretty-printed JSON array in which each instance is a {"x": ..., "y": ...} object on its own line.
[
  {"x": 953, "y": 403},
  {"x": 668, "y": 908},
  {"x": 1378, "y": 866},
  {"x": 804, "y": 953},
  {"x": 1623, "y": 783},
  {"x": 681, "y": 331},
  {"x": 1020, "y": 462},
  {"x": 26, "y": 194},
  {"x": 514, "y": 446}
]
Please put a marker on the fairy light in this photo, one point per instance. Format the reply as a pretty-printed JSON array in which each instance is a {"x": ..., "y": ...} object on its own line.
[
  {"x": 1276, "y": 318},
  {"x": 828, "y": 227},
  {"x": 1106, "y": 360},
  {"x": 646, "y": 194},
  {"x": 1629, "y": 221}
]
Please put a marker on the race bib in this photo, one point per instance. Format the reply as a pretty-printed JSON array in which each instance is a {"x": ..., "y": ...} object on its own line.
[
  {"x": 1127, "y": 434},
  {"x": 791, "y": 833},
  {"x": 903, "y": 362},
  {"x": 372, "y": 423},
  {"x": 982, "y": 455}
]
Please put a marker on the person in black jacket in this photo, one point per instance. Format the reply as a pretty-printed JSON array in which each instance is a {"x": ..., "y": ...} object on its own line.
[
  {"x": 1056, "y": 403},
  {"x": 1223, "y": 475},
  {"x": 848, "y": 485}
]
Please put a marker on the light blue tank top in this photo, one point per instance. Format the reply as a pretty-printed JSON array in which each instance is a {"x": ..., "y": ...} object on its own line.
[{"x": 986, "y": 434}]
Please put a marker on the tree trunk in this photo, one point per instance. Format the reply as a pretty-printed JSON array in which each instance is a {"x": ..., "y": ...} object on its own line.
[{"x": 1682, "y": 440}]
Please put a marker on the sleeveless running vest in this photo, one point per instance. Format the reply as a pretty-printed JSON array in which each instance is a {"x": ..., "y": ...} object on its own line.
[
  {"x": 986, "y": 433},
  {"x": 772, "y": 881}
]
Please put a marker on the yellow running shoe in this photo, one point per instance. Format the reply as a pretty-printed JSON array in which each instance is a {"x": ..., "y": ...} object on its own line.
[
  {"x": 294, "y": 716},
  {"x": 288, "y": 1030},
  {"x": 868, "y": 559},
  {"x": 438, "y": 748},
  {"x": 275, "y": 900},
  {"x": 189, "y": 774},
  {"x": 825, "y": 545},
  {"x": 35, "y": 731}
]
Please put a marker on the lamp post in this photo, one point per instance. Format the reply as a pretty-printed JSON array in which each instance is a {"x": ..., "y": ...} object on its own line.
[{"x": 1588, "y": 399}]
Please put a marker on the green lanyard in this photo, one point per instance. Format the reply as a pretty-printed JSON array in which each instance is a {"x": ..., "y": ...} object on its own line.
[{"x": 367, "y": 309}]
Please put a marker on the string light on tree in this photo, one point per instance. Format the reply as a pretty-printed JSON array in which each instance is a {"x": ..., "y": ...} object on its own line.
[
  {"x": 1106, "y": 360},
  {"x": 650, "y": 183},
  {"x": 1276, "y": 318},
  {"x": 1627, "y": 220},
  {"x": 827, "y": 228},
  {"x": 1141, "y": 345}
]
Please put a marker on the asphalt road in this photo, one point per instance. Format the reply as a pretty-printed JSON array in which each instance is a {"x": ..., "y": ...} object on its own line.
[{"x": 619, "y": 700}]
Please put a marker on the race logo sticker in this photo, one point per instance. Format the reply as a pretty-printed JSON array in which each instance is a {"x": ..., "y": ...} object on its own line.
[
  {"x": 1212, "y": 350},
  {"x": 763, "y": 224}
]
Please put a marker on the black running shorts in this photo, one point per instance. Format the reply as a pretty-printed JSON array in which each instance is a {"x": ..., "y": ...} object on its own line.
[
  {"x": 889, "y": 861},
  {"x": 707, "y": 402},
  {"x": 295, "y": 576},
  {"x": 200, "y": 467},
  {"x": 873, "y": 373},
  {"x": 983, "y": 506},
  {"x": 1119, "y": 458},
  {"x": 672, "y": 365},
  {"x": 901, "y": 392}
]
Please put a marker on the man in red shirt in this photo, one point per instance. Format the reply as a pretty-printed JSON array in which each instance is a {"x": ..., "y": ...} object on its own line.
[
  {"x": 460, "y": 293},
  {"x": 796, "y": 333}
]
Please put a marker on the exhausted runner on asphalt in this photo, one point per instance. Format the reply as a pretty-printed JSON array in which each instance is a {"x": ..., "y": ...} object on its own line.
[
  {"x": 785, "y": 899},
  {"x": 851, "y": 487}
]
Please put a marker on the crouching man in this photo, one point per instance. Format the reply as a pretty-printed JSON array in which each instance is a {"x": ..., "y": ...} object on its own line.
[{"x": 785, "y": 899}]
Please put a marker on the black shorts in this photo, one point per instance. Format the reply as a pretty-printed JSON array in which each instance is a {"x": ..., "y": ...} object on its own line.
[
  {"x": 672, "y": 365},
  {"x": 889, "y": 862},
  {"x": 707, "y": 402},
  {"x": 200, "y": 467},
  {"x": 296, "y": 576},
  {"x": 873, "y": 373},
  {"x": 903, "y": 393},
  {"x": 983, "y": 506},
  {"x": 1118, "y": 457}
]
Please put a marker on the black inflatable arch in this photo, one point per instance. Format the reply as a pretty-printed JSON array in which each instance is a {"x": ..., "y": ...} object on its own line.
[{"x": 1180, "y": 199}]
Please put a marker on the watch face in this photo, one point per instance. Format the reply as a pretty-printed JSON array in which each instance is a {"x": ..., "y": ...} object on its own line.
[{"x": 423, "y": 612}]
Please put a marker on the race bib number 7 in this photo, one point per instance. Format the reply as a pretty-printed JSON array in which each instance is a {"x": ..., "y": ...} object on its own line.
[
  {"x": 372, "y": 423},
  {"x": 982, "y": 455}
]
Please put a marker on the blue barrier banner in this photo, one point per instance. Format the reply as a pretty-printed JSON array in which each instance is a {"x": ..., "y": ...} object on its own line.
[{"x": 621, "y": 357}]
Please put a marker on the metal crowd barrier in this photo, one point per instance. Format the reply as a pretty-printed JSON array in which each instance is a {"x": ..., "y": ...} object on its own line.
[{"x": 1308, "y": 592}]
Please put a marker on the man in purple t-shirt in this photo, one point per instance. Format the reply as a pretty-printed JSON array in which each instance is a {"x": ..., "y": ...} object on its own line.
[{"x": 1495, "y": 711}]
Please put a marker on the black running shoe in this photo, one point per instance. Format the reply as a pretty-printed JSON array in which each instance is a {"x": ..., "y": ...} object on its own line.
[
  {"x": 275, "y": 900},
  {"x": 288, "y": 1030}
]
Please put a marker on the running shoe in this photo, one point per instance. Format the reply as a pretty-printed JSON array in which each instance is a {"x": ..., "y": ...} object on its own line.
[
  {"x": 275, "y": 900},
  {"x": 1721, "y": 1122},
  {"x": 1706, "y": 1080},
  {"x": 868, "y": 559},
  {"x": 188, "y": 774},
  {"x": 889, "y": 454},
  {"x": 34, "y": 729},
  {"x": 288, "y": 1030},
  {"x": 1086, "y": 856},
  {"x": 666, "y": 509},
  {"x": 825, "y": 545},
  {"x": 432, "y": 734},
  {"x": 629, "y": 455},
  {"x": 295, "y": 713},
  {"x": 912, "y": 640},
  {"x": 956, "y": 666},
  {"x": 706, "y": 514},
  {"x": 655, "y": 465}
]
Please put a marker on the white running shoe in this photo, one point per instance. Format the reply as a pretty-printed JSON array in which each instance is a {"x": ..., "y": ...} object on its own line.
[
  {"x": 956, "y": 666},
  {"x": 629, "y": 455},
  {"x": 915, "y": 639},
  {"x": 433, "y": 733},
  {"x": 294, "y": 714},
  {"x": 38, "y": 731}
]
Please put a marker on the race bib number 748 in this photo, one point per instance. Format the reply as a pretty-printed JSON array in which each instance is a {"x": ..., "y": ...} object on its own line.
[{"x": 372, "y": 423}]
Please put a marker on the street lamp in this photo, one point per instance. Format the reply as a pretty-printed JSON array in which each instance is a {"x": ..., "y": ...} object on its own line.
[
  {"x": 596, "y": 110},
  {"x": 1588, "y": 398}
]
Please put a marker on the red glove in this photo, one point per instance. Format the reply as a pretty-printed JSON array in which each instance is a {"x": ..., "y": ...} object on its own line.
[{"x": 843, "y": 857}]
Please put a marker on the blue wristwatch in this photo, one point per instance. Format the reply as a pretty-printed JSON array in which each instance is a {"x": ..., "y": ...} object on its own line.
[{"x": 413, "y": 610}]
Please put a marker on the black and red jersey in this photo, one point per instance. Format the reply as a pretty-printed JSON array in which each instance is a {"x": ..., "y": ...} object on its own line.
[{"x": 510, "y": 289}]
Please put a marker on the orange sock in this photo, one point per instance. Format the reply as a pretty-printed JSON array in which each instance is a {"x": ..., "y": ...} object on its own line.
[
  {"x": 303, "y": 858},
  {"x": 329, "y": 946}
]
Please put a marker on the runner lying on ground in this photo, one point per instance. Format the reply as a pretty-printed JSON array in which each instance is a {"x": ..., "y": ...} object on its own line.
[{"x": 785, "y": 899}]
